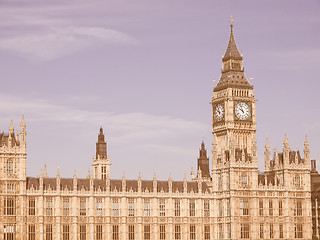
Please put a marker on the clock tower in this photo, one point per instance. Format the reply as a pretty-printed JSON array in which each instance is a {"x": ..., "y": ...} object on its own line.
[
  {"x": 233, "y": 113},
  {"x": 234, "y": 150}
]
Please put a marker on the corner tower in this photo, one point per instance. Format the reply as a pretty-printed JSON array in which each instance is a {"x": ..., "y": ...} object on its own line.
[
  {"x": 101, "y": 162},
  {"x": 13, "y": 153}
]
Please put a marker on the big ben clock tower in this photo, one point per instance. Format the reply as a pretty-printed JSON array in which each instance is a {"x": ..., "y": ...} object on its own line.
[
  {"x": 233, "y": 112},
  {"x": 234, "y": 151},
  {"x": 233, "y": 103}
]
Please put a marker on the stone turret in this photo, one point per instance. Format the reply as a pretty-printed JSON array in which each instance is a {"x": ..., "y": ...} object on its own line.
[
  {"x": 23, "y": 133},
  {"x": 267, "y": 156},
  {"x": 13, "y": 164},
  {"x": 155, "y": 183},
  {"x": 306, "y": 151},
  {"x": 286, "y": 151},
  {"x": 203, "y": 162},
  {"x": 124, "y": 182},
  {"x": 101, "y": 146},
  {"x": 101, "y": 162}
]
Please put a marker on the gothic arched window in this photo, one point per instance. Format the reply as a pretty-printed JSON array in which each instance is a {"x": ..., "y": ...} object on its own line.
[
  {"x": 297, "y": 180},
  {"x": 10, "y": 167},
  {"x": 244, "y": 179}
]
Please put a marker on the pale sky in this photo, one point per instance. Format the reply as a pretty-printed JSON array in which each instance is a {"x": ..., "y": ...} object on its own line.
[{"x": 145, "y": 70}]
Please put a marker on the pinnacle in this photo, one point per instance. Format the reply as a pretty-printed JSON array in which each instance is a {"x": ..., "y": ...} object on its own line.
[
  {"x": 285, "y": 141},
  {"x": 232, "y": 49},
  {"x": 11, "y": 128},
  {"x": 267, "y": 143},
  {"x": 23, "y": 123}
]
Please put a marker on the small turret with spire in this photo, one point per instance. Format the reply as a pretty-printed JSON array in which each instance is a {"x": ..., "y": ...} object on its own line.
[
  {"x": 23, "y": 133},
  {"x": 101, "y": 162},
  {"x": 101, "y": 146},
  {"x": 267, "y": 156},
  {"x": 203, "y": 162},
  {"x": 155, "y": 183},
  {"x": 286, "y": 150},
  {"x": 306, "y": 151},
  {"x": 124, "y": 182}
]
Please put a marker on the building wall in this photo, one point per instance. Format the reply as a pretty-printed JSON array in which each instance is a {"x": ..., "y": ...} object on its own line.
[{"x": 243, "y": 203}]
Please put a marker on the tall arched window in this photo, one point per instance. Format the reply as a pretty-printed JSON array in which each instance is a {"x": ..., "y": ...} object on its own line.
[
  {"x": 244, "y": 179},
  {"x": 10, "y": 167}
]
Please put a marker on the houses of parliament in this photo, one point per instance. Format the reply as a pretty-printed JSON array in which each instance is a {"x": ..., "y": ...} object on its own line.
[{"x": 232, "y": 200}]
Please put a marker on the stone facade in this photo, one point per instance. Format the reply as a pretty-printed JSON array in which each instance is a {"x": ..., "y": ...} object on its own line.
[
  {"x": 235, "y": 202},
  {"x": 315, "y": 199}
]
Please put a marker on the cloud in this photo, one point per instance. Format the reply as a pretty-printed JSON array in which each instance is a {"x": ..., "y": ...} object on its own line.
[
  {"x": 129, "y": 126},
  {"x": 61, "y": 41}
]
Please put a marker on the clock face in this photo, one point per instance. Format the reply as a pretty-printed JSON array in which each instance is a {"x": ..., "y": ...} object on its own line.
[
  {"x": 242, "y": 111},
  {"x": 218, "y": 112}
]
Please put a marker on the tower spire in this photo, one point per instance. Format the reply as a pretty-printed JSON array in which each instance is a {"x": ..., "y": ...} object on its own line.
[
  {"x": 101, "y": 146},
  {"x": 232, "y": 51},
  {"x": 203, "y": 161},
  {"x": 231, "y": 21},
  {"x": 232, "y": 66}
]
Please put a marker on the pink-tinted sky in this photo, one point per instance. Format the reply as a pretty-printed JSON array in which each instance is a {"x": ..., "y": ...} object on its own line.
[{"x": 145, "y": 70}]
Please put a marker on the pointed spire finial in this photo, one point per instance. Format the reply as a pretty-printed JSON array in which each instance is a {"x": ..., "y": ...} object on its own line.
[
  {"x": 267, "y": 143},
  {"x": 11, "y": 128},
  {"x": 75, "y": 174},
  {"x": 58, "y": 174},
  {"x": 285, "y": 141},
  {"x": 231, "y": 21},
  {"x": 45, "y": 171},
  {"x": 123, "y": 175},
  {"x": 22, "y": 121},
  {"x": 232, "y": 51}
]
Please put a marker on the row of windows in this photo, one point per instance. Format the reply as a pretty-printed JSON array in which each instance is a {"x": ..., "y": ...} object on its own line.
[
  {"x": 9, "y": 207},
  {"x": 115, "y": 207},
  {"x": 297, "y": 208},
  {"x": 297, "y": 231},
  {"x": 10, "y": 230},
  {"x": 115, "y": 232},
  {"x": 243, "y": 180}
]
